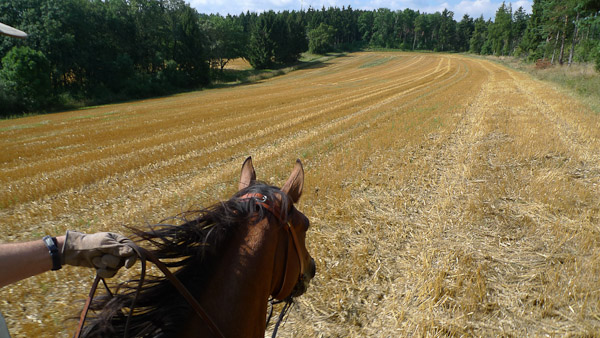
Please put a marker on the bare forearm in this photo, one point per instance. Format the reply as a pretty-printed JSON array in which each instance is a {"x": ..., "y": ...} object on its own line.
[
  {"x": 22, "y": 260},
  {"x": 107, "y": 252}
]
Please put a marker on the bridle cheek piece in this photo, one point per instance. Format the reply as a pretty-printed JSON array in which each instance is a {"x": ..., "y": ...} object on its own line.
[{"x": 286, "y": 289}]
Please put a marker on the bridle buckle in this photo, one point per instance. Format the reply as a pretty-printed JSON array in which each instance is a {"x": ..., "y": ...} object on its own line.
[{"x": 262, "y": 199}]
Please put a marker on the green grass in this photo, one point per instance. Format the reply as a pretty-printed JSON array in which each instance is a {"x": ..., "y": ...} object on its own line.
[
  {"x": 579, "y": 80},
  {"x": 376, "y": 63},
  {"x": 25, "y": 126},
  {"x": 583, "y": 84}
]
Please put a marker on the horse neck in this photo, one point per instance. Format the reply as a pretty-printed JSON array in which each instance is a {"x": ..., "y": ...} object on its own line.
[{"x": 237, "y": 294}]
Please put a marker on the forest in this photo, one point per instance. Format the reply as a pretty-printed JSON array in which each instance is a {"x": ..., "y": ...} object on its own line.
[{"x": 83, "y": 52}]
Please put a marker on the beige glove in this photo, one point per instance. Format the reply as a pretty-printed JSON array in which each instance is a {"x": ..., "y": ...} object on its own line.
[{"x": 105, "y": 251}]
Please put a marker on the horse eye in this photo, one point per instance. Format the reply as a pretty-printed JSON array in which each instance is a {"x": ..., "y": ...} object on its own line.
[{"x": 304, "y": 222}]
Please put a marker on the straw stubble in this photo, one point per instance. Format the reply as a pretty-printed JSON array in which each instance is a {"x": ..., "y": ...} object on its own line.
[{"x": 448, "y": 196}]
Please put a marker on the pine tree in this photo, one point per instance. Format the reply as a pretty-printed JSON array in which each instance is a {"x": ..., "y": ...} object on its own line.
[
  {"x": 262, "y": 46},
  {"x": 479, "y": 36},
  {"x": 465, "y": 29},
  {"x": 500, "y": 33},
  {"x": 531, "y": 43},
  {"x": 447, "y": 31}
]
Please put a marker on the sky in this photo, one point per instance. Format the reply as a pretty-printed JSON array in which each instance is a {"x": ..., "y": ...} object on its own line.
[{"x": 474, "y": 8}]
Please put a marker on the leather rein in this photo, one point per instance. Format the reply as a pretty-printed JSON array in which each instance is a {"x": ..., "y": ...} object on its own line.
[{"x": 145, "y": 255}]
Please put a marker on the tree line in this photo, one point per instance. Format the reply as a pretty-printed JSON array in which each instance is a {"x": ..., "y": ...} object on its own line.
[
  {"x": 95, "y": 51},
  {"x": 98, "y": 51}
]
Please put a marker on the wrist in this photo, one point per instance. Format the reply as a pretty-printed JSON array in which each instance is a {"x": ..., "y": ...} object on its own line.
[
  {"x": 61, "y": 248},
  {"x": 52, "y": 245}
]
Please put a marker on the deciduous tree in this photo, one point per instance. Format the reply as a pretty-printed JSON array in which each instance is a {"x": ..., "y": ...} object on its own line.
[
  {"x": 225, "y": 39},
  {"x": 25, "y": 75},
  {"x": 321, "y": 39}
]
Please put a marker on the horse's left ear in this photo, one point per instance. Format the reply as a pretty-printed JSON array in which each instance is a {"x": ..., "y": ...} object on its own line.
[
  {"x": 248, "y": 175},
  {"x": 293, "y": 186}
]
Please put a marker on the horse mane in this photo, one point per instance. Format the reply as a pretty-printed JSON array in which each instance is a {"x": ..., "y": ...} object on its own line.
[{"x": 193, "y": 247}]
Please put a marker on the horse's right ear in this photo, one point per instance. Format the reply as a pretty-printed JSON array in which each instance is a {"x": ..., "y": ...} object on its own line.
[
  {"x": 293, "y": 186},
  {"x": 248, "y": 175}
]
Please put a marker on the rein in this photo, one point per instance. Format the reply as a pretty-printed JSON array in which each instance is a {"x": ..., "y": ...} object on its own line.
[{"x": 145, "y": 255}]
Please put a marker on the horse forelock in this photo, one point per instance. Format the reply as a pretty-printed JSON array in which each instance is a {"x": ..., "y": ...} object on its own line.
[{"x": 202, "y": 233}]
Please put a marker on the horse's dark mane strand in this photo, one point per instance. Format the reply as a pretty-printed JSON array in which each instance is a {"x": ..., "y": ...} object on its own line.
[{"x": 194, "y": 247}]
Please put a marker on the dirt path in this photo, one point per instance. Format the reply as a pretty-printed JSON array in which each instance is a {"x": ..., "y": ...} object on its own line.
[{"x": 447, "y": 195}]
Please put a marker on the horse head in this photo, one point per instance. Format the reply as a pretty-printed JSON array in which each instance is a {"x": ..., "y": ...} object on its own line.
[
  {"x": 230, "y": 257},
  {"x": 293, "y": 261}
]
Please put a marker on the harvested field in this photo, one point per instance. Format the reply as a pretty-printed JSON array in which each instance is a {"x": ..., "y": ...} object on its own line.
[
  {"x": 238, "y": 64},
  {"x": 448, "y": 196}
]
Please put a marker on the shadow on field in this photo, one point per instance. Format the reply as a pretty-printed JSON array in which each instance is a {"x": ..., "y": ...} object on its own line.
[{"x": 234, "y": 77}]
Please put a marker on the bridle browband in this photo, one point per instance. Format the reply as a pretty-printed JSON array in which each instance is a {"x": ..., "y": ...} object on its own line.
[{"x": 145, "y": 255}]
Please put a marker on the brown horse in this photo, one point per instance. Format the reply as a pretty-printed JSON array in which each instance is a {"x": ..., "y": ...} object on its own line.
[{"x": 232, "y": 257}]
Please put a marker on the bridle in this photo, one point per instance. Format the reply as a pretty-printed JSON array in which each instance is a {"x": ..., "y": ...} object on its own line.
[
  {"x": 144, "y": 255},
  {"x": 284, "y": 289}
]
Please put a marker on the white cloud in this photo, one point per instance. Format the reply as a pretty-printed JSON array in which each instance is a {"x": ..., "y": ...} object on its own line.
[
  {"x": 487, "y": 8},
  {"x": 474, "y": 8},
  {"x": 437, "y": 8},
  {"x": 522, "y": 3}
]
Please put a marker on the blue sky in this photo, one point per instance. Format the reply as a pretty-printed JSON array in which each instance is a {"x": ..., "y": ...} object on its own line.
[{"x": 474, "y": 8}]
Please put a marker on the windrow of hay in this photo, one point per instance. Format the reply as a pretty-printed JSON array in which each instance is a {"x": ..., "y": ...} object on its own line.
[{"x": 448, "y": 196}]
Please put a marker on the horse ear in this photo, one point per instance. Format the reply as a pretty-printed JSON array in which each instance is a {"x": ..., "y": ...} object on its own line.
[
  {"x": 293, "y": 186},
  {"x": 248, "y": 175}
]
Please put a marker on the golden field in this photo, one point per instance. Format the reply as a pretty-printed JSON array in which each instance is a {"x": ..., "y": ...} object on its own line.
[{"x": 448, "y": 196}]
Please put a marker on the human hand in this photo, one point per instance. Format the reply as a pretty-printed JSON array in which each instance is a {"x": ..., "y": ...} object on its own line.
[{"x": 105, "y": 251}]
